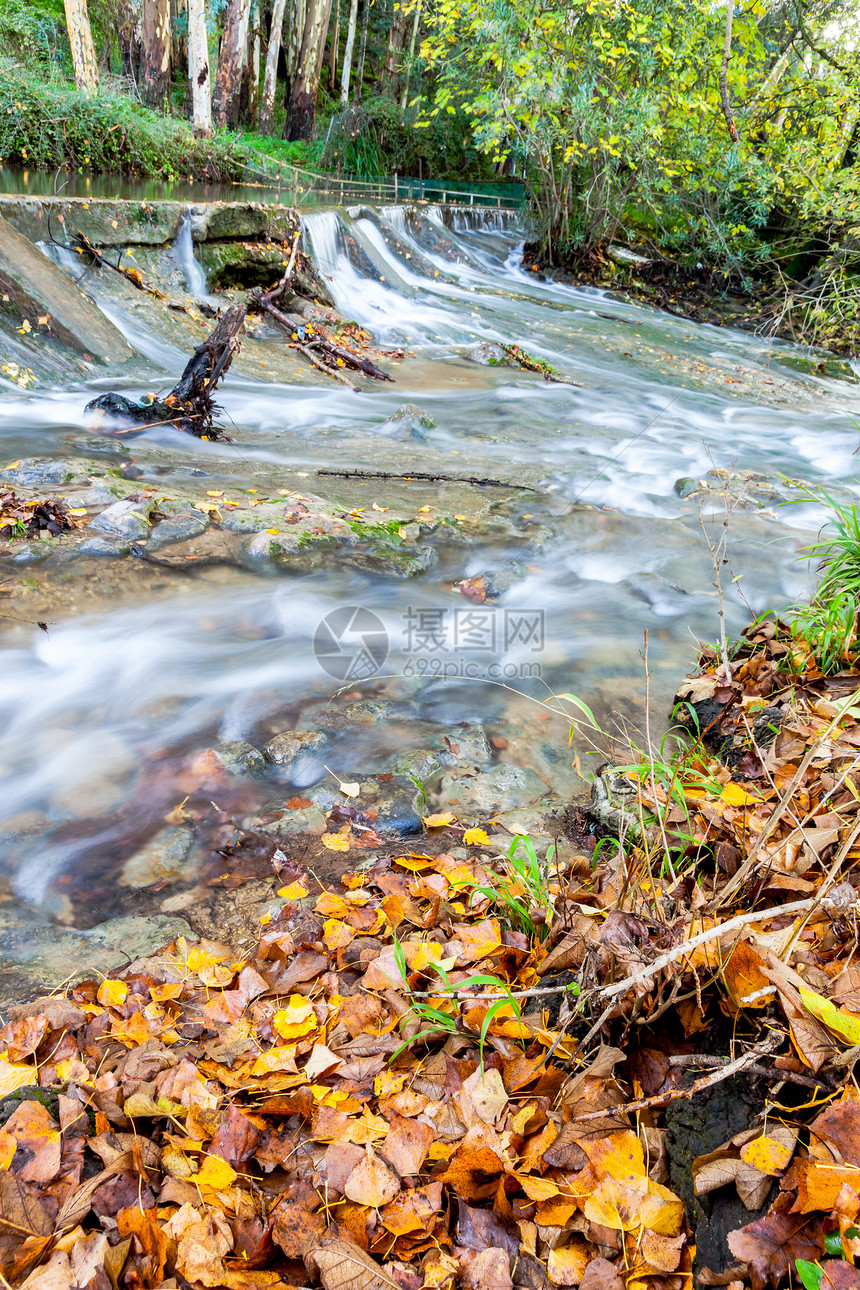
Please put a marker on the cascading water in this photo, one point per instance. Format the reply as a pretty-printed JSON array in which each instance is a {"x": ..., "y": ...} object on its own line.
[
  {"x": 194, "y": 275},
  {"x": 99, "y": 717}
]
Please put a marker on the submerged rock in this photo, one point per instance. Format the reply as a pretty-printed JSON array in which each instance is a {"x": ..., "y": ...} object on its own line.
[
  {"x": 397, "y": 800},
  {"x": 240, "y": 758},
  {"x": 409, "y": 422},
  {"x": 489, "y": 355},
  {"x": 164, "y": 859},
  {"x": 285, "y": 749},
  {"x": 104, "y": 544}
]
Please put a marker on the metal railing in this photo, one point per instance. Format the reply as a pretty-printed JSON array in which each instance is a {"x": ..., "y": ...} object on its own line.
[{"x": 304, "y": 185}]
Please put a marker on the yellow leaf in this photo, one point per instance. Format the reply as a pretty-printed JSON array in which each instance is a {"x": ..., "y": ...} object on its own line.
[
  {"x": 112, "y": 994},
  {"x": 337, "y": 934},
  {"x": 295, "y": 891},
  {"x": 475, "y": 838},
  {"x": 734, "y": 795},
  {"x": 335, "y": 841},
  {"x": 8, "y": 1147},
  {"x": 273, "y": 530},
  {"x": 438, "y": 821},
  {"x": 77, "y": 510},
  {"x": 844, "y": 1024},
  {"x": 12, "y": 465},
  {"x": 767, "y": 1154},
  {"x": 537, "y": 1188},
  {"x": 566, "y": 1266},
  {"x": 215, "y": 1174},
  {"x": 295, "y": 1020},
  {"x": 214, "y": 492},
  {"x": 14, "y": 1076}
]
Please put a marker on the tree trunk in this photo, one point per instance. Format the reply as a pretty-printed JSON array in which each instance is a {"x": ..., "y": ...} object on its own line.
[
  {"x": 267, "y": 102},
  {"x": 254, "y": 80},
  {"x": 303, "y": 99},
  {"x": 83, "y": 50},
  {"x": 359, "y": 76},
  {"x": 334, "y": 51},
  {"x": 178, "y": 47},
  {"x": 347, "y": 53},
  {"x": 724, "y": 75},
  {"x": 155, "y": 71},
  {"x": 298, "y": 13},
  {"x": 389, "y": 81},
  {"x": 415, "y": 24},
  {"x": 198, "y": 69},
  {"x": 231, "y": 64}
]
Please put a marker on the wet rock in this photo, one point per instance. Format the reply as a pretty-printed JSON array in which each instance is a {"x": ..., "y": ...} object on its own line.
[
  {"x": 467, "y": 744},
  {"x": 687, "y": 486},
  {"x": 98, "y": 495},
  {"x": 164, "y": 859},
  {"x": 42, "y": 472},
  {"x": 362, "y": 713},
  {"x": 264, "y": 547},
  {"x": 492, "y": 584},
  {"x": 396, "y": 561},
  {"x": 398, "y": 801},
  {"x": 34, "y": 554},
  {"x": 744, "y": 488},
  {"x": 126, "y": 519},
  {"x": 178, "y": 528},
  {"x": 290, "y": 823},
  {"x": 409, "y": 422},
  {"x": 240, "y": 758},
  {"x": 44, "y": 955},
  {"x": 540, "y": 822},
  {"x": 104, "y": 544},
  {"x": 497, "y": 789},
  {"x": 35, "y": 287},
  {"x": 661, "y": 594},
  {"x": 288, "y": 747},
  {"x": 423, "y": 765},
  {"x": 489, "y": 355}
]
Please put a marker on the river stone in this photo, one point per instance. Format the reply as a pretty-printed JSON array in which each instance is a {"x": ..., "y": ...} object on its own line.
[
  {"x": 539, "y": 822},
  {"x": 467, "y": 745},
  {"x": 291, "y": 823},
  {"x": 240, "y": 758},
  {"x": 42, "y": 472},
  {"x": 363, "y": 713},
  {"x": 270, "y": 546},
  {"x": 408, "y": 422},
  {"x": 286, "y": 748},
  {"x": 35, "y": 554},
  {"x": 98, "y": 495},
  {"x": 178, "y": 528},
  {"x": 104, "y": 544},
  {"x": 127, "y": 519},
  {"x": 396, "y": 561},
  {"x": 164, "y": 859},
  {"x": 45, "y": 955},
  {"x": 664, "y": 597},
  {"x": 498, "y": 789},
  {"x": 398, "y": 800},
  {"x": 489, "y": 355}
]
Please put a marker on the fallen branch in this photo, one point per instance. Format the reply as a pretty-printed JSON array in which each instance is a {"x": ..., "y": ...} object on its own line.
[
  {"x": 433, "y": 479},
  {"x": 324, "y": 367},
  {"x": 130, "y": 275},
  {"x": 189, "y": 404}
]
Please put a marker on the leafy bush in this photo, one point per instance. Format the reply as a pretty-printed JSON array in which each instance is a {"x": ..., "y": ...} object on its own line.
[
  {"x": 373, "y": 139},
  {"x": 33, "y": 33},
  {"x": 50, "y": 125}
]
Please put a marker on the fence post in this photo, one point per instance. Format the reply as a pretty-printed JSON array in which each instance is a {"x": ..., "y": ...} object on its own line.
[{"x": 395, "y": 188}]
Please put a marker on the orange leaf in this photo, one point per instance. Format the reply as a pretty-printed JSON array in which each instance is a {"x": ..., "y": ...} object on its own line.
[{"x": 371, "y": 1182}]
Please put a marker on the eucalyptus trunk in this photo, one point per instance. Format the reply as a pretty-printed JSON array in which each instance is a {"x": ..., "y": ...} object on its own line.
[
  {"x": 301, "y": 109},
  {"x": 389, "y": 81},
  {"x": 155, "y": 67},
  {"x": 198, "y": 69},
  {"x": 270, "y": 77},
  {"x": 83, "y": 50},
  {"x": 404, "y": 98},
  {"x": 226, "y": 99},
  {"x": 347, "y": 53}
]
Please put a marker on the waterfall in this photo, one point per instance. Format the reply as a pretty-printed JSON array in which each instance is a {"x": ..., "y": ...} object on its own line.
[
  {"x": 323, "y": 231},
  {"x": 194, "y": 275},
  {"x": 395, "y": 216}
]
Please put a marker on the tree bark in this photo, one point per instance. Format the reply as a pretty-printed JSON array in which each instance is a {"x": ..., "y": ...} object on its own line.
[
  {"x": 178, "y": 47},
  {"x": 335, "y": 48},
  {"x": 198, "y": 69},
  {"x": 298, "y": 13},
  {"x": 359, "y": 76},
  {"x": 83, "y": 50},
  {"x": 303, "y": 99},
  {"x": 347, "y": 53},
  {"x": 254, "y": 78},
  {"x": 267, "y": 102},
  {"x": 389, "y": 81},
  {"x": 404, "y": 98},
  {"x": 155, "y": 70},
  {"x": 231, "y": 64},
  {"x": 724, "y": 75}
]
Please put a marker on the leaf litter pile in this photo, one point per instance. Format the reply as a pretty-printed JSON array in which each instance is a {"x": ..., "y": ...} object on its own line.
[{"x": 458, "y": 1072}]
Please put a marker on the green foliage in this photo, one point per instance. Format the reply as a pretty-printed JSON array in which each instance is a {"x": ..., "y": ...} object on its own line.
[
  {"x": 828, "y": 625},
  {"x": 34, "y": 32},
  {"x": 51, "y": 125},
  {"x": 305, "y": 153},
  {"x": 373, "y": 139}
]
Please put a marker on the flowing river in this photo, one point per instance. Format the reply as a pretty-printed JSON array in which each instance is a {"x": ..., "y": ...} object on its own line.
[{"x": 101, "y": 716}]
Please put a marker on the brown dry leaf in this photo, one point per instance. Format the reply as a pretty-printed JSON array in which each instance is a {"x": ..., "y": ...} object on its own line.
[
  {"x": 772, "y": 1245},
  {"x": 371, "y": 1182},
  {"x": 407, "y": 1144},
  {"x": 743, "y": 973},
  {"x": 601, "y": 1275},
  {"x": 343, "y": 1266},
  {"x": 143, "y": 1225},
  {"x": 484, "y": 1094}
]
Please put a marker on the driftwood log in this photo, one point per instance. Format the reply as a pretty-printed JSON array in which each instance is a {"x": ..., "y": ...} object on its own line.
[
  {"x": 311, "y": 340},
  {"x": 189, "y": 405}
]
